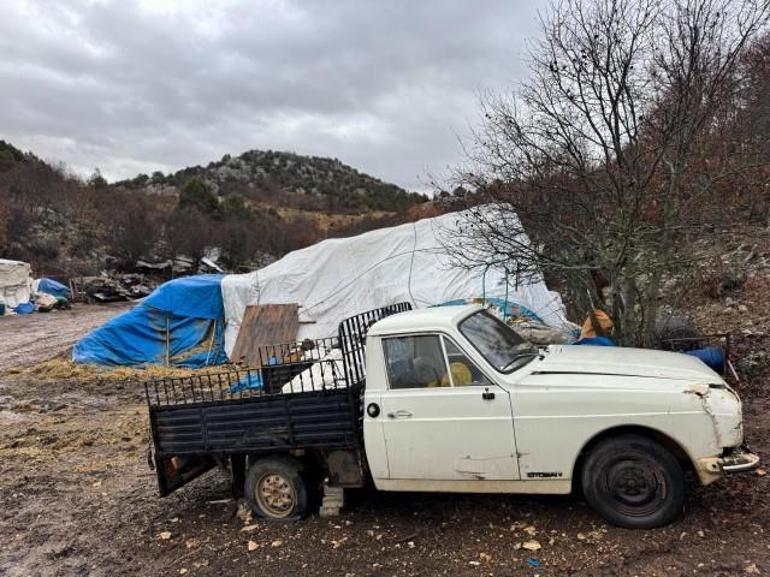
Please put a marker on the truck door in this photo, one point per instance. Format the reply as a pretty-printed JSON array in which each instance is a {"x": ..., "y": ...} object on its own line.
[{"x": 442, "y": 418}]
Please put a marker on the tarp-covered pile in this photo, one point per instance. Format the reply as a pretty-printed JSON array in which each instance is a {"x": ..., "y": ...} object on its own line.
[
  {"x": 19, "y": 294},
  {"x": 15, "y": 283},
  {"x": 337, "y": 278},
  {"x": 181, "y": 323}
]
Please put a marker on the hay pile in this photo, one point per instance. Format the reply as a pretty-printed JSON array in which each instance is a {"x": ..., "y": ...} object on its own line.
[{"x": 61, "y": 368}]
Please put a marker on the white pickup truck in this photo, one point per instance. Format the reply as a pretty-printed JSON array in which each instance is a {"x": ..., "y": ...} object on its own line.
[{"x": 452, "y": 399}]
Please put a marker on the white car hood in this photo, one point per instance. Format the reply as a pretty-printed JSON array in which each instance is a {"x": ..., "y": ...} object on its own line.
[{"x": 585, "y": 359}]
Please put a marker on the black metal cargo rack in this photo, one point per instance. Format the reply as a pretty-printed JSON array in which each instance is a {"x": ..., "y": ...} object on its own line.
[
  {"x": 311, "y": 365},
  {"x": 304, "y": 395}
]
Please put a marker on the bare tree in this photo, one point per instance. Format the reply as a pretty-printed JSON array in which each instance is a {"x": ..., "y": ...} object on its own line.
[
  {"x": 593, "y": 153},
  {"x": 132, "y": 226},
  {"x": 190, "y": 233}
]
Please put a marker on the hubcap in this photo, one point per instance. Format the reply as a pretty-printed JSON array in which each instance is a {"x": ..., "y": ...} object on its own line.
[
  {"x": 636, "y": 486},
  {"x": 275, "y": 495}
]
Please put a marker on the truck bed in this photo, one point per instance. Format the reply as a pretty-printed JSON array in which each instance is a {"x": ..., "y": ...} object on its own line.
[
  {"x": 302, "y": 396},
  {"x": 200, "y": 421},
  {"x": 260, "y": 423}
]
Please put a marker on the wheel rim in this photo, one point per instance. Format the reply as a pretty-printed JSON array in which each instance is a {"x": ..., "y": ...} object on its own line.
[
  {"x": 275, "y": 495},
  {"x": 636, "y": 486}
]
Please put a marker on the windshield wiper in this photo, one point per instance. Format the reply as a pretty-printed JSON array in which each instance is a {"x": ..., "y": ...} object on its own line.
[{"x": 535, "y": 353}]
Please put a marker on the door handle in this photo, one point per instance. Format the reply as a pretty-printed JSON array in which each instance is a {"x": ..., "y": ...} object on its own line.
[
  {"x": 400, "y": 414},
  {"x": 487, "y": 395}
]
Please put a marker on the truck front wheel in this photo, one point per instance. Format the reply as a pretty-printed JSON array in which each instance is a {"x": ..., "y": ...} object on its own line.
[
  {"x": 633, "y": 482},
  {"x": 276, "y": 490}
]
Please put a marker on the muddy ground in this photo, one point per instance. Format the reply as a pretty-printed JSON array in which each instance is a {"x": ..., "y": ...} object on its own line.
[
  {"x": 27, "y": 339},
  {"x": 77, "y": 498}
]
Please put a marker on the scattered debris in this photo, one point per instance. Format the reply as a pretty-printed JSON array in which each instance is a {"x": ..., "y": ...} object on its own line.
[
  {"x": 244, "y": 513},
  {"x": 180, "y": 265},
  {"x": 531, "y": 545},
  {"x": 107, "y": 288},
  {"x": 207, "y": 263},
  {"x": 165, "y": 535},
  {"x": 253, "y": 545},
  {"x": 154, "y": 267}
]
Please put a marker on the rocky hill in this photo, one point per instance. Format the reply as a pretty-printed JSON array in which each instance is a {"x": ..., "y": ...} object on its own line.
[
  {"x": 287, "y": 179},
  {"x": 248, "y": 209}
]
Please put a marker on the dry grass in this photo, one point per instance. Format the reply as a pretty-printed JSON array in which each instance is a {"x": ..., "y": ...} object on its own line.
[
  {"x": 61, "y": 368},
  {"x": 328, "y": 221}
]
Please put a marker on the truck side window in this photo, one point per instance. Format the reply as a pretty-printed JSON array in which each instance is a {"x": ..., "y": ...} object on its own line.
[
  {"x": 463, "y": 370},
  {"x": 415, "y": 362}
]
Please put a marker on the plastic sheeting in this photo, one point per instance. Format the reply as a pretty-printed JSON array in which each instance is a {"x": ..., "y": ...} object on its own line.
[
  {"x": 337, "y": 278},
  {"x": 15, "y": 283},
  {"x": 181, "y": 323}
]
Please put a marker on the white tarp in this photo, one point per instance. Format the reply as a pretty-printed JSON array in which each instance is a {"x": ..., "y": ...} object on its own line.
[
  {"x": 337, "y": 278},
  {"x": 15, "y": 282}
]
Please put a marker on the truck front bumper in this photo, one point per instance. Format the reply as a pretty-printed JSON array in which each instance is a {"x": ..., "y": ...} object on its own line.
[
  {"x": 733, "y": 460},
  {"x": 740, "y": 460}
]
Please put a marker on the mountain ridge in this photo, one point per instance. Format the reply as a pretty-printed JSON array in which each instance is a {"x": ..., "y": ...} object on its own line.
[{"x": 312, "y": 182}]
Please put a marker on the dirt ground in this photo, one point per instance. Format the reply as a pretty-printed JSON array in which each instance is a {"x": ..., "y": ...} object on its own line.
[
  {"x": 77, "y": 498},
  {"x": 31, "y": 338}
]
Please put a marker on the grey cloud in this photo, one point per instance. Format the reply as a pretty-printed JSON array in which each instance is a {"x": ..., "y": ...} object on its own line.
[{"x": 133, "y": 86}]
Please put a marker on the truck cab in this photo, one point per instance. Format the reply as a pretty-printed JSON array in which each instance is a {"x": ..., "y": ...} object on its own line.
[{"x": 457, "y": 401}]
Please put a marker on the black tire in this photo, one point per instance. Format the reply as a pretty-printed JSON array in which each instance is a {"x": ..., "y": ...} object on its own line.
[
  {"x": 633, "y": 482},
  {"x": 676, "y": 327},
  {"x": 275, "y": 489}
]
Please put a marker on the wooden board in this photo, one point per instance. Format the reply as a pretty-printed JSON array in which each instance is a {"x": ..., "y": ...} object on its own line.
[{"x": 264, "y": 325}]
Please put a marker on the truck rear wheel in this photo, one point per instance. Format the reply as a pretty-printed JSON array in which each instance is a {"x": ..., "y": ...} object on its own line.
[
  {"x": 275, "y": 489},
  {"x": 633, "y": 482}
]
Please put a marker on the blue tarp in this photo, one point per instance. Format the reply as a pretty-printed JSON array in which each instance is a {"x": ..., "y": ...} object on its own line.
[
  {"x": 714, "y": 357},
  {"x": 248, "y": 381},
  {"x": 596, "y": 342},
  {"x": 508, "y": 309},
  {"x": 24, "y": 308},
  {"x": 53, "y": 287},
  {"x": 181, "y": 323}
]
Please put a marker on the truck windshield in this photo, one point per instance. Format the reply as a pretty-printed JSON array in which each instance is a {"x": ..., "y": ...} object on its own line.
[{"x": 505, "y": 350}]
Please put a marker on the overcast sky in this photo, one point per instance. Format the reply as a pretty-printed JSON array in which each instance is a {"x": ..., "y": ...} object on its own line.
[{"x": 131, "y": 86}]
